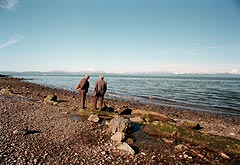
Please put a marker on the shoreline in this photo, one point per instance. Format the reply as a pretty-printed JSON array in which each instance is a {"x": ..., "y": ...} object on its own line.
[
  {"x": 77, "y": 141},
  {"x": 186, "y": 104},
  {"x": 171, "y": 111}
]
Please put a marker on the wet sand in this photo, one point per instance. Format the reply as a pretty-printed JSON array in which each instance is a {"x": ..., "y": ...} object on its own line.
[{"x": 33, "y": 132}]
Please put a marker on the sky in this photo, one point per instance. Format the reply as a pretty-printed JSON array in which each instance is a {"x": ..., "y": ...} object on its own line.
[{"x": 117, "y": 36}]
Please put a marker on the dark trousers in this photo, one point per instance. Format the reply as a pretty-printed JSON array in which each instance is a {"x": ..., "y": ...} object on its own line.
[
  {"x": 82, "y": 98},
  {"x": 96, "y": 98}
]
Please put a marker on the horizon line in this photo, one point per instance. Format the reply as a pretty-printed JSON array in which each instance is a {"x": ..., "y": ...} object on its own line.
[{"x": 140, "y": 72}]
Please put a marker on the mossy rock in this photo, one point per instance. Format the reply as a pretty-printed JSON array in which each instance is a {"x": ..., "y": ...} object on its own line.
[
  {"x": 212, "y": 142},
  {"x": 150, "y": 116}
]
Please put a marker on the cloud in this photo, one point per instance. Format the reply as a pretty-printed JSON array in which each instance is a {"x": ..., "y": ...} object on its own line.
[
  {"x": 13, "y": 40},
  {"x": 8, "y": 4}
]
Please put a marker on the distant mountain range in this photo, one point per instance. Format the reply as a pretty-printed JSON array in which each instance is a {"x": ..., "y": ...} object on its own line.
[{"x": 62, "y": 73}]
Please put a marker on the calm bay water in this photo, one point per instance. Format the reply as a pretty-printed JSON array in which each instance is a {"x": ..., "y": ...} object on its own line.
[{"x": 214, "y": 94}]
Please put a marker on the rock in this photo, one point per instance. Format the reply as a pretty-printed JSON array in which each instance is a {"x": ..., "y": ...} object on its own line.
[
  {"x": 15, "y": 131},
  {"x": 185, "y": 156},
  {"x": 126, "y": 112},
  {"x": 118, "y": 136},
  {"x": 225, "y": 156},
  {"x": 125, "y": 147},
  {"x": 107, "y": 109},
  {"x": 180, "y": 147},
  {"x": 136, "y": 119},
  {"x": 130, "y": 141},
  {"x": 197, "y": 127},
  {"x": 51, "y": 98},
  {"x": 143, "y": 153},
  {"x": 231, "y": 134},
  {"x": 119, "y": 124},
  {"x": 168, "y": 141},
  {"x": 93, "y": 118},
  {"x": 6, "y": 91}
]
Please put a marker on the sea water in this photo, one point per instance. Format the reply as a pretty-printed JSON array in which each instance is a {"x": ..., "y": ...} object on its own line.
[{"x": 213, "y": 94}]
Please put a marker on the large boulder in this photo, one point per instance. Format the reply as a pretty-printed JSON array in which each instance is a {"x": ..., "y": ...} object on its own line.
[{"x": 120, "y": 124}]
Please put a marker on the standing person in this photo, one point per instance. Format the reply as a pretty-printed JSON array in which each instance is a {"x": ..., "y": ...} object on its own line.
[
  {"x": 100, "y": 88},
  {"x": 82, "y": 87}
]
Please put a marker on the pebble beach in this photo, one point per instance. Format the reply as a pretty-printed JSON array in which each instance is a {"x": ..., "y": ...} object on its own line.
[{"x": 34, "y": 132}]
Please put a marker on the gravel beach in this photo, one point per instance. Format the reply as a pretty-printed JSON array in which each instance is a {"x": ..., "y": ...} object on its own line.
[{"x": 34, "y": 132}]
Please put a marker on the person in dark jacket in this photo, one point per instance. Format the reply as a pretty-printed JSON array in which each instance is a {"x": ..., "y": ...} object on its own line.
[
  {"x": 100, "y": 88},
  {"x": 82, "y": 87}
]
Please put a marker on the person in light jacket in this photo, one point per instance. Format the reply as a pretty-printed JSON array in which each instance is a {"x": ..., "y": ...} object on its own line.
[
  {"x": 82, "y": 87},
  {"x": 100, "y": 89}
]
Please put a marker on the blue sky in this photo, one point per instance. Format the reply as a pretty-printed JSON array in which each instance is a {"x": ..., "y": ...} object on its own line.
[{"x": 179, "y": 36}]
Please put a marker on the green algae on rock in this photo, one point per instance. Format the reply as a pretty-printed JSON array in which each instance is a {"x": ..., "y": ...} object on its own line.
[{"x": 212, "y": 142}]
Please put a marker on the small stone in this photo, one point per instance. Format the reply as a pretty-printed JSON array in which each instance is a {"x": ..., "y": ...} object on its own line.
[
  {"x": 168, "y": 141},
  {"x": 225, "y": 156},
  {"x": 15, "y": 131},
  {"x": 231, "y": 134},
  {"x": 93, "y": 118},
  {"x": 180, "y": 147},
  {"x": 35, "y": 161},
  {"x": 143, "y": 153},
  {"x": 186, "y": 156}
]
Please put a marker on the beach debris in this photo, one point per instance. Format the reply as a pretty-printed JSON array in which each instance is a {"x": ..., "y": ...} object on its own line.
[
  {"x": 120, "y": 124},
  {"x": 118, "y": 137},
  {"x": 125, "y": 147},
  {"x": 93, "y": 118}
]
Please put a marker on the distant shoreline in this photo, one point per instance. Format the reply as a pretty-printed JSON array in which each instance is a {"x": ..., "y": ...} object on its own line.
[
  {"x": 1, "y": 75},
  {"x": 154, "y": 74}
]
